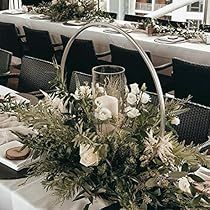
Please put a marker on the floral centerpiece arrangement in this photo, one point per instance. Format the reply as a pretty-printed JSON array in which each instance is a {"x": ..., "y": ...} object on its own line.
[
  {"x": 104, "y": 141},
  {"x": 64, "y": 10},
  {"x": 154, "y": 27}
]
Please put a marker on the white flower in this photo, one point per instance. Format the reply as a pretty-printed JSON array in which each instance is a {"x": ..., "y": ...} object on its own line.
[
  {"x": 24, "y": 8},
  {"x": 175, "y": 121},
  {"x": 79, "y": 4},
  {"x": 150, "y": 142},
  {"x": 160, "y": 147},
  {"x": 145, "y": 98},
  {"x": 134, "y": 88},
  {"x": 100, "y": 89},
  {"x": 67, "y": 3},
  {"x": 103, "y": 113},
  {"x": 87, "y": 156},
  {"x": 82, "y": 92},
  {"x": 54, "y": 2},
  {"x": 55, "y": 102},
  {"x": 131, "y": 98},
  {"x": 184, "y": 185},
  {"x": 164, "y": 149},
  {"x": 132, "y": 112}
]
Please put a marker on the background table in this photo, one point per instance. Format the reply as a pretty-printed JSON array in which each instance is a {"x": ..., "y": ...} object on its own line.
[{"x": 196, "y": 52}]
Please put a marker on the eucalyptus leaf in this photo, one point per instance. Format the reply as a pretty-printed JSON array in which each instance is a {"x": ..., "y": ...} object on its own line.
[{"x": 177, "y": 174}]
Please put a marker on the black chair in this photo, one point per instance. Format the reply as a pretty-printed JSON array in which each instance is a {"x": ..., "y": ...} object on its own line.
[
  {"x": 191, "y": 79},
  {"x": 40, "y": 45},
  {"x": 113, "y": 15},
  {"x": 10, "y": 40},
  {"x": 5, "y": 61},
  {"x": 135, "y": 18},
  {"x": 34, "y": 2},
  {"x": 81, "y": 57},
  {"x": 194, "y": 124},
  {"x": 175, "y": 24},
  {"x": 136, "y": 68},
  {"x": 35, "y": 74}
]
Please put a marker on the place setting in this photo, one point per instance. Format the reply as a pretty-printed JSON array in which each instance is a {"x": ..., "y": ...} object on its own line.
[
  {"x": 14, "y": 12},
  {"x": 40, "y": 17}
]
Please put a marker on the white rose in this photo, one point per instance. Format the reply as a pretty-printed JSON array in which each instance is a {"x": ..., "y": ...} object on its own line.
[
  {"x": 184, "y": 185},
  {"x": 132, "y": 112},
  {"x": 88, "y": 157},
  {"x": 131, "y": 98},
  {"x": 103, "y": 114},
  {"x": 134, "y": 88},
  {"x": 82, "y": 92},
  {"x": 145, "y": 98},
  {"x": 175, "y": 121}
]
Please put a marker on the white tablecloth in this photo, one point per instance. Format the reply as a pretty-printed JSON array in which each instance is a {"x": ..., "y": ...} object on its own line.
[
  {"x": 17, "y": 195},
  {"x": 195, "y": 52}
]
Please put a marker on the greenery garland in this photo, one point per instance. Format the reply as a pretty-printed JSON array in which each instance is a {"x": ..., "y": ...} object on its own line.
[{"x": 64, "y": 10}]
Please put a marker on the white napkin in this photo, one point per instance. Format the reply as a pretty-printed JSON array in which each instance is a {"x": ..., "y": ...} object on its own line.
[
  {"x": 204, "y": 173},
  {"x": 9, "y": 123}
]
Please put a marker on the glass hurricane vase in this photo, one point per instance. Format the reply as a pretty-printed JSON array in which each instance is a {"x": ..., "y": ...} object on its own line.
[{"x": 108, "y": 87}]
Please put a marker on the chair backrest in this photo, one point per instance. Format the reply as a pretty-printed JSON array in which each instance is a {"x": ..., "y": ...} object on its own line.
[
  {"x": 81, "y": 57},
  {"x": 79, "y": 78},
  {"x": 194, "y": 123},
  {"x": 191, "y": 79},
  {"x": 175, "y": 24},
  {"x": 111, "y": 14},
  {"x": 39, "y": 44},
  {"x": 5, "y": 60},
  {"x": 135, "y": 18},
  {"x": 136, "y": 69},
  {"x": 33, "y": 2},
  {"x": 35, "y": 74},
  {"x": 9, "y": 39}
]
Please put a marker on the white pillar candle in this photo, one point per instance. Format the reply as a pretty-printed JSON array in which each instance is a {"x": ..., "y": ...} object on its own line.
[{"x": 111, "y": 103}]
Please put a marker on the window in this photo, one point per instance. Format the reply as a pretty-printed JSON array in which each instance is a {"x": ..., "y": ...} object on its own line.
[{"x": 195, "y": 7}]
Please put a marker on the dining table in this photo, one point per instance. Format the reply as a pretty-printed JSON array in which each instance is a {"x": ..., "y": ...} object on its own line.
[
  {"x": 19, "y": 192},
  {"x": 192, "y": 50}
]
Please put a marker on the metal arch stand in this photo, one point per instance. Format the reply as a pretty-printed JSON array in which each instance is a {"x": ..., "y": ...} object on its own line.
[{"x": 142, "y": 54}]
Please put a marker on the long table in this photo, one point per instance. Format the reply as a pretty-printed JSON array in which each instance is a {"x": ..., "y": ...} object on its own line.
[
  {"x": 19, "y": 194},
  {"x": 196, "y": 52}
]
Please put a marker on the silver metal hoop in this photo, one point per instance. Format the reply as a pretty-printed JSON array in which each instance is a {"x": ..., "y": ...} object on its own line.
[{"x": 142, "y": 54}]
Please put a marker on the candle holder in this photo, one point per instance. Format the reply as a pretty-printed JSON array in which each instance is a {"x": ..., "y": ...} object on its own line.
[
  {"x": 109, "y": 80},
  {"x": 108, "y": 87}
]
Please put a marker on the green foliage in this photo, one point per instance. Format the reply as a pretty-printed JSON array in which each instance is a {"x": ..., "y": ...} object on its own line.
[
  {"x": 64, "y": 10},
  {"x": 130, "y": 169}
]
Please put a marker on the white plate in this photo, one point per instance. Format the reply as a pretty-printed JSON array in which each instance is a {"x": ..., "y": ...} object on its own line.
[
  {"x": 17, "y": 165},
  {"x": 4, "y": 91},
  {"x": 75, "y": 23}
]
